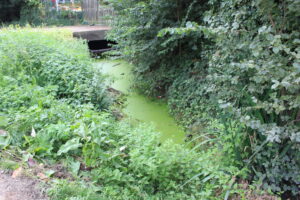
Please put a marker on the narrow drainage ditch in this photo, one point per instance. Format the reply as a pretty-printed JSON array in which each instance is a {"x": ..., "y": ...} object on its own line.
[{"x": 137, "y": 107}]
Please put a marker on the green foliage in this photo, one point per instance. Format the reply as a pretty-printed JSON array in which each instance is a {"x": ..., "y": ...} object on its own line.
[
  {"x": 36, "y": 87},
  {"x": 139, "y": 23},
  {"x": 64, "y": 190},
  {"x": 36, "y": 12},
  {"x": 130, "y": 162},
  {"x": 47, "y": 58},
  {"x": 50, "y": 97},
  {"x": 239, "y": 57},
  {"x": 46, "y": 14},
  {"x": 258, "y": 68},
  {"x": 12, "y": 10}
]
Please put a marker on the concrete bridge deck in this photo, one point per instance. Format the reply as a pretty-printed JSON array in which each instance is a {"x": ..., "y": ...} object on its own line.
[{"x": 90, "y": 33}]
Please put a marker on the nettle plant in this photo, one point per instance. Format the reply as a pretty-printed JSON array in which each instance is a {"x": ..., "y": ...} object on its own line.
[{"x": 51, "y": 57}]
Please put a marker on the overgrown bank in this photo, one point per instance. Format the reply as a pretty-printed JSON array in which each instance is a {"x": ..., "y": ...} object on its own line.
[
  {"x": 53, "y": 110},
  {"x": 234, "y": 59}
]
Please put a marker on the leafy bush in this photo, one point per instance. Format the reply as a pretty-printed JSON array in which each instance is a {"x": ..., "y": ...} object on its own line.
[
  {"x": 158, "y": 60},
  {"x": 10, "y": 10},
  {"x": 36, "y": 87},
  {"x": 36, "y": 12},
  {"x": 235, "y": 56},
  {"x": 47, "y": 57},
  {"x": 127, "y": 161},
  {"x": 258, "y": 68},
  {"x": 15, "y": 10}
]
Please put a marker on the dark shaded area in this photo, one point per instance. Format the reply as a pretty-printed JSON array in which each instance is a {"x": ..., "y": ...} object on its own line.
[
  {"x": 99, "y": 46},
  {"x": 10, "y": 10}
]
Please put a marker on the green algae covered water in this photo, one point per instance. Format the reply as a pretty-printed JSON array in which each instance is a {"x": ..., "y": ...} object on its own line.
[{"x": 139, "y": 107}]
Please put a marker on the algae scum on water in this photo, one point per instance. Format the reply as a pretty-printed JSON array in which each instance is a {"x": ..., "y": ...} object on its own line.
[{"x": 139, "y": 107}]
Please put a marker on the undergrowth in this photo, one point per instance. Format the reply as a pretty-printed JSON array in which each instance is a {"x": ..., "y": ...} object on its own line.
[
  {"x": 53, "y": 109},
  {"x": 36, "y": 13},
  {"x": 237, "y": 61}
]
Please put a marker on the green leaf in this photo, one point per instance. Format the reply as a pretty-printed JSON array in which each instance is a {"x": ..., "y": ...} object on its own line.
[
  {"x": 3, "y": 121},
  {"x": 75, "y": 166},
  {"x": 297, "y": 66},
  {"x": 276, "y": 49},
  {"x": 69, "y": 146},
  {"x": 49, "y": 172},
  {"x": 4, "y": 141}
]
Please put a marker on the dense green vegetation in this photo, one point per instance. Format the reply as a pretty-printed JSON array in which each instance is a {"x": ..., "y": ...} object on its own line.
[
  {"x": 36, "y": 12},
  {"x": 53, "y": 109},
  {"x": 10, "y": 10},
  {"x": 228, "y": 69},
  {"x": 233, "y": 59}
]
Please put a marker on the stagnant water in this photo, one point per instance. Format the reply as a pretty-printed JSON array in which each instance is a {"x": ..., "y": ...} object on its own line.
[{"x": 139, "y": 107}]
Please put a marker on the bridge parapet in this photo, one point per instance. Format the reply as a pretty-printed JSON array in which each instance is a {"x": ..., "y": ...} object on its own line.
[{"x": 89, "y": 33}]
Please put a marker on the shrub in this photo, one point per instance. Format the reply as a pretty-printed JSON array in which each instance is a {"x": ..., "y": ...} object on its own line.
[
  {"x": 129, "y": 161},
  {"x": 10, "y": 10},
  {"x": 158, "y": 60},
  {"x": 256, "y": 63},
  {"x": 240, "y": 57},
  {"x": 47, "y": 57}
]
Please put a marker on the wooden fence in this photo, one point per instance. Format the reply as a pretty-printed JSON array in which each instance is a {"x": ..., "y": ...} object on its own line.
[
  {"x": 93, "y": 13},
  {"x": 105, "y": 15}
]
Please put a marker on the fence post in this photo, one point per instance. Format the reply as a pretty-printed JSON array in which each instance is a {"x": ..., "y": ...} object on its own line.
[
  {"x": 56, "y": 5},
  {"x": 94, "y": 13},
  {"x": 90, "y": 10}
]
